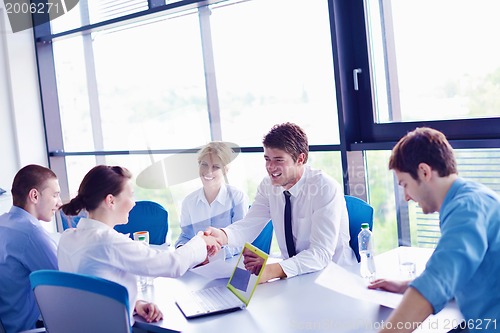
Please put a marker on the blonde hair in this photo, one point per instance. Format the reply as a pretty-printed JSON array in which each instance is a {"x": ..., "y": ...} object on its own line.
[{"x": 219, "y": 149}]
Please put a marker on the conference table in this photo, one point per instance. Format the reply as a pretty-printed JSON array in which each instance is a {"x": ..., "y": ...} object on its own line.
[{"x": 334, "y": 299}]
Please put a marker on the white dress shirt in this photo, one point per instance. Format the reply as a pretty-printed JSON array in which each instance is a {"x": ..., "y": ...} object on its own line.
[
  {"x": 95, "y": 248},
  {"x": 320, "y": 223}
]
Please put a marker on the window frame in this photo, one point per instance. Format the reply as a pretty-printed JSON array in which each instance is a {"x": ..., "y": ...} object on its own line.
[{"x": 358, "y": 130}]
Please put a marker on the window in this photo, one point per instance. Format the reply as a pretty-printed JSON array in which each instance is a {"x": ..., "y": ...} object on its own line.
[
  {"x": 434, "y": 64},
  {"x": 381, "y": 198},
  {"x": 149, "y": 94},
  {"x": 246, "y": 172},
  {"x": 147, "y": 81},
  {"x": 269, "y": 73},
  {"x": 165, "y": 83}
]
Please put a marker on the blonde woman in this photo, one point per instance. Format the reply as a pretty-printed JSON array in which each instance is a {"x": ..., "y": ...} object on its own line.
[{"x": 217, "y": 203}]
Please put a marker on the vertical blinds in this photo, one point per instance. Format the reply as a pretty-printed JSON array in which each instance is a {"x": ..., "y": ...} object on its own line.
[
  {"x": 480, "y": 165},
  {"x": 102, "y": 10}
]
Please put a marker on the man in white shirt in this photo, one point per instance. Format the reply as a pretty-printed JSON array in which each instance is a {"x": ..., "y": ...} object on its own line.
[{"x": 319, "y": 220}]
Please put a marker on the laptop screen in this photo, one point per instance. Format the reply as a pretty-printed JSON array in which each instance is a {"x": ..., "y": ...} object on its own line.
[{"x": 243, "y": 282}]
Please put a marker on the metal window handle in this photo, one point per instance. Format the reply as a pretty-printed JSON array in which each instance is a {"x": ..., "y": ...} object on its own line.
[{"x": 355, "y": 73}]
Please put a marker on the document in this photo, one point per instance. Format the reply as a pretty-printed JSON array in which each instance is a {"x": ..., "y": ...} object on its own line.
[
  {"x": 339, "y": 279},
  {"x": 217, "y": 267},
  {"x": 342, "y": 281}
]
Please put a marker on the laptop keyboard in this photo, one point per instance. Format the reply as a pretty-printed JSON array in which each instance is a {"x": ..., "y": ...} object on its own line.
[{"x": 215, "y": 298}]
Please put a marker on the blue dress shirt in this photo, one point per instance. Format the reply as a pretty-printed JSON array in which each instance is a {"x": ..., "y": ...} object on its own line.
[
  {"x": 466, "y": 261},
  {"x": 25, "y": 246}
]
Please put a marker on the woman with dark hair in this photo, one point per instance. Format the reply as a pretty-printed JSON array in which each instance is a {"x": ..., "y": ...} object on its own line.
[{"x": 95, "y": 248}]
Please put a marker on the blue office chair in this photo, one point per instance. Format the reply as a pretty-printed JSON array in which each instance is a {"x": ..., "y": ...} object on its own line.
[
  {"x": 147, "y": 216},
  {"x": 359, "y": 212},
  {"x": 70, "y": 221},
  {"x": 263, "y": 241},
  {"x": 80, "y": 303}
]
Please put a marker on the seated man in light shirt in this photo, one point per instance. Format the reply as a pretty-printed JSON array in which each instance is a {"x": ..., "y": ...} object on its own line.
[
  {"x": 465, "y": 263},
  {"x": 25, "y": 246},
  {"x": 319, "y": 220}
]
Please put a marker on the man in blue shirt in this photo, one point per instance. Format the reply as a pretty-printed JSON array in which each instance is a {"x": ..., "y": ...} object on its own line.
[
  {"x": 25, "y": 246},
  {"x": 465, "y": 263}
]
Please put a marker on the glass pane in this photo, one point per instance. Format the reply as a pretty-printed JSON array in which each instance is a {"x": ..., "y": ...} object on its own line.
[
  {"x": 145, "y": 84},
  {"x": 434, "y": 64},
  {"x": 381, "y": 197},
  {"x": 94, "y": 11},
  {"x": 151, "y": 86},
  {"x": 269, "y": 73},
  {"x": 72, "y": 19},
  {"x": 245, "y": 172},
  {"x": 73, "y": 95}
]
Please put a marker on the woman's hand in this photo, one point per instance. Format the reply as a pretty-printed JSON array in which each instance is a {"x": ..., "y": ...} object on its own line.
[{"x": 149, "y": 311}]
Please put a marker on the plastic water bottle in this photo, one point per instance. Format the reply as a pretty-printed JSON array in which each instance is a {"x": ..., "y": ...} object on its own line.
[
  {"x": 143, "y": 280},
  {"x": 365, "y": 243}
]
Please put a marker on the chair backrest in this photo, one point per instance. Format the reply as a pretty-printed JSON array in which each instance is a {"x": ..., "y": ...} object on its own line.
[
  {"x": 147, "y": 216},
  {"x": 80, "y": 303},
  {"x": 64, "y": 221},
  {"x": 263, "y": 241},
  {"x": 359, "y": 212}
]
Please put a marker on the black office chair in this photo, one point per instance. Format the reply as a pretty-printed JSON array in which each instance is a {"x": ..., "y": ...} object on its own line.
[
  {"x": 359, "y": 212},
  {"x": 147, "y": 216}
]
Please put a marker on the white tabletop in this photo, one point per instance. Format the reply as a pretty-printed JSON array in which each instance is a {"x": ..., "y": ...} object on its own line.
[{"x": 331, "y": 300}]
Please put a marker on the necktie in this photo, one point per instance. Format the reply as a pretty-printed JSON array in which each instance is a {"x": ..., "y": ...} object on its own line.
[{"x": 290, "y": 245}]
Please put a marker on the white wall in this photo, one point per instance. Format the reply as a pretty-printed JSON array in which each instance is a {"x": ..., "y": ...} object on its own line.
[{"x": 22, "y": 139}]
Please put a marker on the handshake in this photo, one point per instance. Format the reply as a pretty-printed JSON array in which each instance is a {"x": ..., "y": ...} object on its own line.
[{"x": 216, "y": 238}]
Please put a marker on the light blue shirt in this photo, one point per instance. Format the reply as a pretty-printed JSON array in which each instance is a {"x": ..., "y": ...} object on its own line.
[
  {"x": 25, "y": 247},
  {"x": 466, "y": 262},
  {"x": 197, "y": 214}
]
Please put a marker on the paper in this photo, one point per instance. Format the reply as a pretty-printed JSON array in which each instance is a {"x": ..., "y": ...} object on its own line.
[
  {"x": 217, "y": 268},
  {"x": 342, "y": 281}
]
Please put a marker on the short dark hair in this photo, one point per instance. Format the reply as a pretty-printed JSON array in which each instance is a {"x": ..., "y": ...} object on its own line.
[
  {"x": 96, "y": 185},
  {"x": 423, "y": 145},
  {"x": 29, "y": 177},
  {"x": 288, "y": 137}
]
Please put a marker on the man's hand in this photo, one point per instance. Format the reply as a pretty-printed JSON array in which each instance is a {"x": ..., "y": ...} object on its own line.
[
  {"x": 388, "y": 285},
  {"x": 252, "y": 261},
  {"x": 213, "y": 245},
  {"x": 149, "y": 311},
  {"x": 218, "y": 234}
]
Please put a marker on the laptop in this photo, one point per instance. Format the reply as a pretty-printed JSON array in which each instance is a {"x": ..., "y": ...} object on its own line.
[{"x": 234, "y": 296}]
